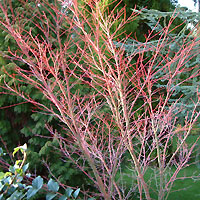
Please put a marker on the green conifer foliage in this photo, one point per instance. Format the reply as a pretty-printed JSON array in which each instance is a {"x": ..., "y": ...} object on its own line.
[
  {"x": 20, "y": 122},
  {"x": 138, "y": 28}
]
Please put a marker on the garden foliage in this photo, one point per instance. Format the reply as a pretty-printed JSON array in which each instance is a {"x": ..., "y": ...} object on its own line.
[
  {"x": 14, "y": 186},
  {"x": 177, "y": 38},
  {"x": 20, "y": 122}
]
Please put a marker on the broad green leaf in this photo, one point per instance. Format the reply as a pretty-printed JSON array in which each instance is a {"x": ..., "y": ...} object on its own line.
[
  {"x": 68, "y": 192},
  {"x": 52, "y": 185},
  {"x": 25, "y": 167},
  {"x": 19, "y": 171},
  {"x": 63, "y": 197},
  {"x": 1, "y": 175},
  {"x": 12, "y": 169},
  {"x": 7, "y": 174},
  {"x": 21, "y": 148},
  {"x": 50, "y": 196},
  {"x": 31, "y": 192},
  {"x": 15, "y": 196},
  {"x": 91, "y": 198},
  {"x": 37, "y": 182},
  {"x": 22, "y": 186},
  {"x": 1, "y": 187},
  {"x": 75, "y": 194},
  {"x": 7, "y": 180}
]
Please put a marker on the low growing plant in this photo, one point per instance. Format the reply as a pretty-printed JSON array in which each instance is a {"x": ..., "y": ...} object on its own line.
[{"x": 14, "y": 186}]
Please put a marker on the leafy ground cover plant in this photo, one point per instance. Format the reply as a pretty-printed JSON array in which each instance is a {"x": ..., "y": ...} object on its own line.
[
  {"x": 124, "y": 112},
  {"x": 13, "y": 185}
]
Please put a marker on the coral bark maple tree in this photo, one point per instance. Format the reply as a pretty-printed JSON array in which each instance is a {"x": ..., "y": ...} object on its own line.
[{"x": 124, "y": 110}]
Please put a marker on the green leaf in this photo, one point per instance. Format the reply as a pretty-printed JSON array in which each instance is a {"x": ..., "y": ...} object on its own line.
[
  {"x": 7, "y": 174},
  {"x": 31, "y": 192},
  {"x": 50, "y": 196},
  {"x": 1, "y": 175},
  {"x": 91, "y": 198},
  {"x": 25, "y": 167},
  {"x": 1, "y": 187},
  {"x": 1, "y": 152},
  {"x": 15, "y": 196},
  {"x": 16, "y": 150},
  {"x": 53, "y": 186},
  {"x": 19, "y": 171},
  {"x": 12, "y": 169},
  {"x": 63, "y": 197},
  {"x": 21, "y": 148},
  {"x": 68, "y": 192},
  {"x": 37, "y": 182},
  {"x": 75, "y": 194},
  {"x": 18, "y": 162}
]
